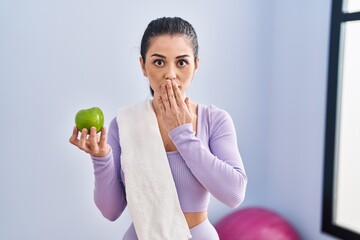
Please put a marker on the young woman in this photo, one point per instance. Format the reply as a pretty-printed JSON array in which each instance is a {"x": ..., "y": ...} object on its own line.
[{"x": 199, "y": 140}]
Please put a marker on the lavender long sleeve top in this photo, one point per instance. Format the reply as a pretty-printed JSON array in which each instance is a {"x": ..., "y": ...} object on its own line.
[{"x": 206, "y": 162}]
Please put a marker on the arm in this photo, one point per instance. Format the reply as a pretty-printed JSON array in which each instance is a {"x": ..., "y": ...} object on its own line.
[
  {"x": 109, "y": 192},
  {"x": 220, "y": 169}
]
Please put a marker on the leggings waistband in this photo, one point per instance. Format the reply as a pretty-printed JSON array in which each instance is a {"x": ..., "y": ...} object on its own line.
[{"x": 203, "y": 231}]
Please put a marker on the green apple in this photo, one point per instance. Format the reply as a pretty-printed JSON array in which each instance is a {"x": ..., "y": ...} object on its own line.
[{"x": 91, "y": 117}]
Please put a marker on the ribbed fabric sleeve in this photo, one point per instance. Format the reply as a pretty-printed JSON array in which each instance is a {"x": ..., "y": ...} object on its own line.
[
  {"x": 219, "y": 169},
  {"x": 109, "y": 191}
]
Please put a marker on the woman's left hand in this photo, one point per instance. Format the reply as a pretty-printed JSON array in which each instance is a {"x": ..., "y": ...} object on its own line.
[{"x": 174, "y": 110}]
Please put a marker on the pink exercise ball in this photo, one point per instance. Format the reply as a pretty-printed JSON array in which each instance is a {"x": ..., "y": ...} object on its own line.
[{"x": 255, "y": 223}]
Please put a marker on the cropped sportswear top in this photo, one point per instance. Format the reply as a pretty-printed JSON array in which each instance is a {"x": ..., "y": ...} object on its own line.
[{"x": 206, "y": 162}]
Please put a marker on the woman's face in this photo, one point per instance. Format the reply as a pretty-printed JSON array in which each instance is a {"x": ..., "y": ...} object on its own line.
[{"x": 169, "y": 58}]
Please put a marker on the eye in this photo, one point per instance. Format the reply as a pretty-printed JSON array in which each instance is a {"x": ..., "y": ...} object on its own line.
[
  {"x": 182, "y": 63},
  {"x": 159, "y": 62}
]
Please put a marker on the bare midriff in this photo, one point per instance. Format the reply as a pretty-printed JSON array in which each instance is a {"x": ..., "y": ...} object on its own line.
[{"x": 195, "y": 218}]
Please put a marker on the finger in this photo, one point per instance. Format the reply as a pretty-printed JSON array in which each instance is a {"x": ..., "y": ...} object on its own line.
[
  {"x": 82, "y": 141},
  {"x": 178, "y": 95},
  {"x": 93, "y": 143},
  {"x": 161, "y": 105},
  {"x": 161, "y": 102},
  {"x": 170, "y": 93},
  {"x": 164, "y": 97},
  {"x": 102, "y": 142},
  {"x": 73, "y": 139},
  {"x": 97, "y": 138}
]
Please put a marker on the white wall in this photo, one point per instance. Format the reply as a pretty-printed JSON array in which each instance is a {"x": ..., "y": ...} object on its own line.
[{"x": 264, "y": 62}]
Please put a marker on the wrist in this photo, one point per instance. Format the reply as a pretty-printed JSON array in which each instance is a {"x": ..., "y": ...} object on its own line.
[
  {"x": 102, "y": 154},
  {"x": 186, "y": 127}
]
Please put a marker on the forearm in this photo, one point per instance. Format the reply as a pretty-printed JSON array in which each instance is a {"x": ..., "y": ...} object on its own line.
[
  {"x": 224, "y": 178},
  {"x": 109, "y": 196}
]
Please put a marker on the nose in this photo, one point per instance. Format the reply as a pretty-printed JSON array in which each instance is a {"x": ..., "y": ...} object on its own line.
[{"x": 170, "y": 73}]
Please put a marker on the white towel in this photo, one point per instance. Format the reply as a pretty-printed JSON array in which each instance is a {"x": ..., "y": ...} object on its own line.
[{"x": 150, "y": 189}]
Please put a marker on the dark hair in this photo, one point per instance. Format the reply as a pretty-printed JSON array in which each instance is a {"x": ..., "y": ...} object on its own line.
[{"x": 168, "y": 26}]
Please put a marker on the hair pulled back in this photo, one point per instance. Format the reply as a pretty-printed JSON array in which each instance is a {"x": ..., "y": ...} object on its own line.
[{"x": 168, "y": 26}]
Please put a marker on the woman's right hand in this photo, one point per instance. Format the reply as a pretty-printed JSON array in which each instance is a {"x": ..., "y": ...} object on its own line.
[{"x": 93, "y": 144}]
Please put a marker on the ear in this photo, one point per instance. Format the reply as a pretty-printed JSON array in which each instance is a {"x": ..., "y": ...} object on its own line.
[
  {"x": 197, "y": 62},
  {"x": 142, "y": 64}
]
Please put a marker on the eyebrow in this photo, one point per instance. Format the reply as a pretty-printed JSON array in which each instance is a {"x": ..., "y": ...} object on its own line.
[{"x": 162, "y": 56}]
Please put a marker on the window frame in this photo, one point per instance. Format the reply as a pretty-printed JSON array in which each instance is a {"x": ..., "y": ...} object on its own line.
[{"x": 338, "y": 17}]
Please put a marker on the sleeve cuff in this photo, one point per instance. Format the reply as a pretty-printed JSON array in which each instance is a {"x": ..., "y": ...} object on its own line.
[
  {"x": 102, "y": 160},
  {"x": 181, "y": 132}
]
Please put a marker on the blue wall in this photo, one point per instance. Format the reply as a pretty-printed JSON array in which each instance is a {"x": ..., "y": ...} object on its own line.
[{"x": 264, "y": 62}]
